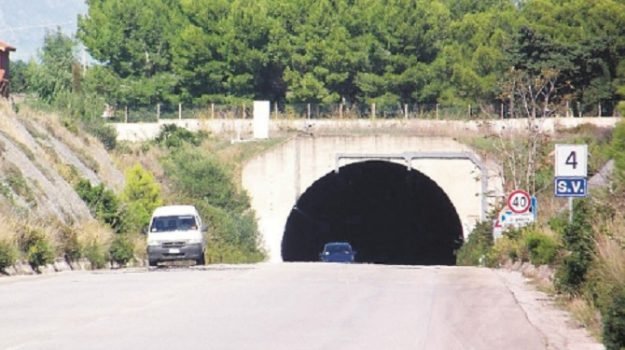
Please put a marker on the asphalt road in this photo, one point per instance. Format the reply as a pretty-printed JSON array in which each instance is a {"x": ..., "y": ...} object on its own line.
[{"x": 278, "y": 306}]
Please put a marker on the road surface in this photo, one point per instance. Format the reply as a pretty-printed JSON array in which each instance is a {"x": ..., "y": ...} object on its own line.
[{"x": 279, "y": 306}]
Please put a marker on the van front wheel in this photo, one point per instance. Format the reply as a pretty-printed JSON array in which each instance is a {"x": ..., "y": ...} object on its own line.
[{"x": 201, "y": 260}]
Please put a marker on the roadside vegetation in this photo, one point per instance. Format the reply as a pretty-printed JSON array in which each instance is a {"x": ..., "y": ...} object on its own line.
[{"x": 587, "y": 255}]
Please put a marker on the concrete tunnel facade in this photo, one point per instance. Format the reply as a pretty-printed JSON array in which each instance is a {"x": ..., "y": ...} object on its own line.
[{"x": 390, "y": 213}]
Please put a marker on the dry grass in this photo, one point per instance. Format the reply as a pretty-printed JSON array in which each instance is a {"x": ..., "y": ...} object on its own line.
[
  {"x": 611, "y": 260},
  {"x": 140, "y": 246},
  {"x": 8, "y": 228},
  {"x": 92, "y": 231},
  {"x": 587, "y": 315}
]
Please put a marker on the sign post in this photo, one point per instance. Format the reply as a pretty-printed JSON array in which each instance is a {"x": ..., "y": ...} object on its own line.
[{"x": 571, "y": 170}]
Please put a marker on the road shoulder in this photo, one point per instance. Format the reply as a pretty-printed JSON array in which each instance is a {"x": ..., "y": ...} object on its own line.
[{"x": 555, "y": 324}]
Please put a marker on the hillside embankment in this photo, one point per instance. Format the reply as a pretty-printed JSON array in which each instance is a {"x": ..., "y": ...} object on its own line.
[{"x": 42, "y": 158}]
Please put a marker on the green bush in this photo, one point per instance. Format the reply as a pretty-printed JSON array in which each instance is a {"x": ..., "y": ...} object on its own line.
[
  {"x": 40, "y": 253},
  {"x": 69, "y": 244},
  {"x": 614, "y": 323},
  {"x": 141, "y": 195},
  {"x": 476, "y": 250},
  {"x": 542, "y": 249},
  {"x": 103, "y": 204},
  {"x": 8, "y": 255},
  {"x": 217, "y": 188},
  {"x": 171, "y": 136},
  {"x": 233, "y": 236},
  {"x": 38, "y": 249},
  {"x": 103, "y": 132},
  {"x": 96, "y": 254},
  {"x": 122, "y": 249},
  {"x": 227, "y": 253},
  {"x": 579, "y": 247},
  {"x": 505, "y": 249}
]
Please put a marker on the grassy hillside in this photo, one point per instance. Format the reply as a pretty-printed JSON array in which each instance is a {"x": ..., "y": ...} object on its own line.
[{"x": 42, "y": 216}]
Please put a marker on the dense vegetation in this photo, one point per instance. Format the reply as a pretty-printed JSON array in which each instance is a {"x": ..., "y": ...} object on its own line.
[
  {"x": 194, "y": 176},
  {"x": 390, "y": 52}
]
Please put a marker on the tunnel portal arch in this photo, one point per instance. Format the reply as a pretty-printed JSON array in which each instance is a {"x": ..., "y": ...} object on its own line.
[
  {"x": 276, "y": 179},
  {"x": 389, "y": 213}
]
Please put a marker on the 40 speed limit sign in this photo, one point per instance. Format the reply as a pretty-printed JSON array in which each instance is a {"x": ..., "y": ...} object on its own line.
[{"x": 519, "y": 202}]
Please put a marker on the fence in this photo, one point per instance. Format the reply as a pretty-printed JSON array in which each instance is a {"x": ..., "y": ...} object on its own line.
[{"x": 133, "y": 114}]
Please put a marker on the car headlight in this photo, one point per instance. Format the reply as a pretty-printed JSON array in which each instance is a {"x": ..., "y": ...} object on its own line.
[
  {"x": 194, "y": 241},
  {"x": 153, "y": 243}
]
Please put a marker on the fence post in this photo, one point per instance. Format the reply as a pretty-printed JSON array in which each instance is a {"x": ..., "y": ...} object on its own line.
[
  {"x": 599, "y": 108},
  {"x": 275, "y": 110},
  {"x": 126, "y": 114},
  {"x": 180, "y": 111},
  {"x": 568, "y": 109},
  {"x": 340, "y": 110},
  {"x": 469, "y": 110},
  {"x": 579, "y": 109},
  {"x": 437, "y": 111},
  {"x": 373, "y": 110},
  {"x": 405, "y": 111},
  {"x": 212, "y": 111},
  {"x": 501, "y": 110},
  {"x": 158, "y": 112},
  {"x": 308, "y": 110}
]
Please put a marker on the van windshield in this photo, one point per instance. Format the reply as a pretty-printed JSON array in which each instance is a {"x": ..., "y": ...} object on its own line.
[{"x": 173, "y": 223}]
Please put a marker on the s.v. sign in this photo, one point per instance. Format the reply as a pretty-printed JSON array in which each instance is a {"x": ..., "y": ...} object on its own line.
[{"x": 571, "y": 187}]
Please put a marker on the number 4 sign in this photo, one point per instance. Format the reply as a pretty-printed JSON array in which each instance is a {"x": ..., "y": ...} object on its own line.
[{"x": 571, "y": 160}]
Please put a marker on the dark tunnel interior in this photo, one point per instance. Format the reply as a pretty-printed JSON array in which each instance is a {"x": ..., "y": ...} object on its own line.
[{"x": 389, "y": 214}]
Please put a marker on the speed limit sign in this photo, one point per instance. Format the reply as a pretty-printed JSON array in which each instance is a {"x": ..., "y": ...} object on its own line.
[{"x": 519, "y": 201}]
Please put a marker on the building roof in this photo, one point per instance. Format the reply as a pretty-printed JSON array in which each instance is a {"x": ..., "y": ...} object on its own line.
[{"x": 6, "y": 47}]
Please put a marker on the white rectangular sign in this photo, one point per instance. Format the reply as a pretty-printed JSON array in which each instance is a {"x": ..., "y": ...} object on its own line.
[
  {"x": 261, "y": 119},
  {"x": 571, "y": 160}
]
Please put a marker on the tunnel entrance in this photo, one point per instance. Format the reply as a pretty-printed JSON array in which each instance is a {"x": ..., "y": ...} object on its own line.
[{"x": 389, "y": 214}]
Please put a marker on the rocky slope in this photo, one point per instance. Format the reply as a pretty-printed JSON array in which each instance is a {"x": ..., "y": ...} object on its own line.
[{"x": 40, "y": 162}]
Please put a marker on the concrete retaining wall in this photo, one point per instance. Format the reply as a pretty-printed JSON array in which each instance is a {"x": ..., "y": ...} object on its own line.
[{"x": 242, "y": 128}]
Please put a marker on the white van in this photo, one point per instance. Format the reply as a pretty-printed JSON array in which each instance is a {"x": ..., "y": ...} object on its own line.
[{"x": 176, "y": 232}]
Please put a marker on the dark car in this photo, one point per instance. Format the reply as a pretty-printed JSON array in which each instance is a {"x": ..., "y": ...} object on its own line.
[{"x": 337, "y": 252}]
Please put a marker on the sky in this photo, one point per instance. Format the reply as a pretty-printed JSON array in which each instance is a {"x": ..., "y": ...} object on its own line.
[{"x": 23, "y": 23}]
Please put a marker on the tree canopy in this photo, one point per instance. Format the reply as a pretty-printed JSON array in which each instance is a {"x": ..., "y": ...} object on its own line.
[{"x": 390, "y": 52}]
